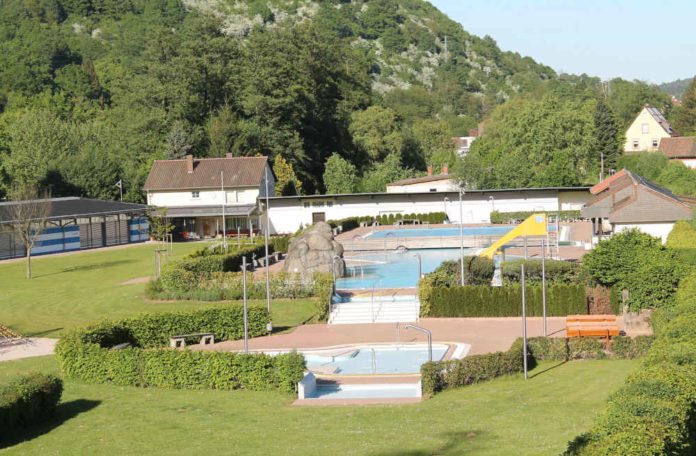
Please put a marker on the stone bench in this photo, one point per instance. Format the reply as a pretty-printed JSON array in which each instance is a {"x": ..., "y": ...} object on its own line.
[{"x": 180, "y": 340}]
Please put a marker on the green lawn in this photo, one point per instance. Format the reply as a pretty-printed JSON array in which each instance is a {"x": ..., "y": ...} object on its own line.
[
  {"x": 507, "y": 416},
  {"x": 73, "y": 290}
]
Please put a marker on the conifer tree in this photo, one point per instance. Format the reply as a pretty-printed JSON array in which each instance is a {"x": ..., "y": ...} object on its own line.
[{"x": 607, "y": 136}]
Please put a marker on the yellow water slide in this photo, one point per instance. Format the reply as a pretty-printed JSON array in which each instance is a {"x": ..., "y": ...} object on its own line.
[{"x": 535, "y": 225}]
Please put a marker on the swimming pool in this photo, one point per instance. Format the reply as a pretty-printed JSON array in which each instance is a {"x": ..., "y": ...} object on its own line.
[
  {"x": 393, "y": 269},
  {"x": 421, "y": 232},
  {"x": 376, "y": 359}
]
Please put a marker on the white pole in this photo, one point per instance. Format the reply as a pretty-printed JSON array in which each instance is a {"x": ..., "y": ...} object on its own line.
[
  {"x": 524, "y": 323},
  {"x": 244, "y": 289},
  {"x": 224, "y": 201},
  {"x": 461, "y": 239},
  {"x": 543, "y": 282},
  {"x": 268, "y": 279}
]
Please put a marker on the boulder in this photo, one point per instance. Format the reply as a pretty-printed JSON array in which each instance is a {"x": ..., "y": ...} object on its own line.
[{"x": 314, "y": 251}]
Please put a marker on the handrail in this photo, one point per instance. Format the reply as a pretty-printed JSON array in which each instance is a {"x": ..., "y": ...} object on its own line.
[
  {"x": 372, "y": 303},
  {"x": 430, "y": 339}
]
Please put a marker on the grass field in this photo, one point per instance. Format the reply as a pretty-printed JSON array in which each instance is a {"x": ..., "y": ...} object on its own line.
[
  {"x": 507, "y": 416},
  {"x": 73, "y": 290}
]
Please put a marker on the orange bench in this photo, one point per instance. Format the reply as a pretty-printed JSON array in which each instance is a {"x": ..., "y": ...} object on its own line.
[{"x": 592, "y": 326}]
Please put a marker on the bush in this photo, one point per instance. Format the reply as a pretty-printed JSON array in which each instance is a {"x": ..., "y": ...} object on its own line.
[
  {"x": 506, "y": 218},
  {"x": 557, "y": 271},
  {"x": 280, "y": 243},
  {"x": 483, "y": 301},
  {"x": 439, "y": 375},
  {"x": 85, "y": 353},
  {"x": 351, "y": 223},
  {"x": 631, "y": 348},
  {"x": 477, "y": 271},
  {"x": 28, "y": 400},
  {"x": 565, "y": 349},
  {"x": 627, "y": 259}
]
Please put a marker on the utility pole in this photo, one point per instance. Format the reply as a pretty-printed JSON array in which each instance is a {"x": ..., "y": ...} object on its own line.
[
  {"x": 224, "y": 202},
  {"x": 524, "y": 323},
  {"x": 268, "y": 227}
]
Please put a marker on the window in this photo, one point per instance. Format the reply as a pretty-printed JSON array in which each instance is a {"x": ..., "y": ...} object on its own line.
[
  {"x": 646, "y": 129},
  {"x": 636, "y": 144},
  {"x": 329, "y": 204},
  {"x": 306, "y": 204},
  {"x": 654, "y": 142},
  {"x": 195, "y": 194}
]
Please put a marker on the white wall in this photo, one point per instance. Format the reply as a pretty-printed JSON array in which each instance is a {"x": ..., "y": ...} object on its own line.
[
  {"x": 286, "y": 214},
  {"x": 660, "y": 230},
  {"x": 689, "y": 162},
  {"x": 207, "y": 197}
]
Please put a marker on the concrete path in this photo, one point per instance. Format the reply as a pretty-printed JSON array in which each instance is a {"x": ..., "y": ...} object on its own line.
[
  {"x": 485, "y": 335},
  {"x": 25, "y": 348}
]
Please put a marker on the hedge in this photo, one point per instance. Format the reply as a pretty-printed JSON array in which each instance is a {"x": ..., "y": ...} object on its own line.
[
  {"x": 557, "y": 271},
  {"x": 350, "y": 223},
  {"x": 85, "y": 354},
  {"x": 477, "y": 271},
  {"x": 505, "y": 218},
  {"x": 184, "y": 274},
  {"x": 654, "y": 413},
  {"x": 440, "y": 375},
  {"x": 27, "y": 400},
  {"x": 483, "y": 301}
]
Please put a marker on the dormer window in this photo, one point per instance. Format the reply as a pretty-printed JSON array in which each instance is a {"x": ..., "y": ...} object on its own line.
[
  {"x": 636, "y": 144},
  {"x": 195, "y": 194}
]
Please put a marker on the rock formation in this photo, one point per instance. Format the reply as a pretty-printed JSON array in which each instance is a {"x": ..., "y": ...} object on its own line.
[{"x": 313, "y": 251}]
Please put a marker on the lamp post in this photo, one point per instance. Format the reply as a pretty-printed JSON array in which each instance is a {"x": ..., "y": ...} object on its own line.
[
  {"x": 244, "y": 291},
  {"x": 524, "y": 323},
  {"x": 268, "y": 227}
]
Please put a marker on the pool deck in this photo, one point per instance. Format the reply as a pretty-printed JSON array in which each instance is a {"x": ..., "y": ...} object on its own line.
[{"x": 485, "y": 335}]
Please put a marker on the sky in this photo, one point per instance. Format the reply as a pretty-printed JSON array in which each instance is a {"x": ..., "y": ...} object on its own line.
[{"x": 653, "y": 41}]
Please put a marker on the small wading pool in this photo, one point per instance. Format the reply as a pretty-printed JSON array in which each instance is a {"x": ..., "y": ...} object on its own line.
[{"x": 377, "y": 359}]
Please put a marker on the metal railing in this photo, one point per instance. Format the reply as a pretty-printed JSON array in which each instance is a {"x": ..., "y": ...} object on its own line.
[{"x": 430, "y": 338}]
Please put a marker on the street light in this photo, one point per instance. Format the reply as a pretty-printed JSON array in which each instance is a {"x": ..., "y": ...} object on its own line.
[{"x": 269, "y": 326}]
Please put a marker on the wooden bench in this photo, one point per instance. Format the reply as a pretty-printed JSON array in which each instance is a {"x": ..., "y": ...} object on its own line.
[
  {"x": 180, "y": 341},
  {"x": 592, "y": 326}
]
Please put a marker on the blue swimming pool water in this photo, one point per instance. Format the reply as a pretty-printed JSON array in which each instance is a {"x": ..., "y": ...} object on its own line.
[
  {"x": 421, "y": 232},
  {"x": 393, "y": 270},
  {"x": 393, "y": 360}
]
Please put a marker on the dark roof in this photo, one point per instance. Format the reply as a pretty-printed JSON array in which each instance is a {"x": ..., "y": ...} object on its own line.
[
  {"x": 211, "y": 211},
  {"x": 74, "y": 206},
  {"x": 421, "y": 180},
  {"x": 237, "y": 172},
  {"x": 679, "y": 147},
  {"x": 657, "y": 115},
  {"x": 627, "y": 197}
]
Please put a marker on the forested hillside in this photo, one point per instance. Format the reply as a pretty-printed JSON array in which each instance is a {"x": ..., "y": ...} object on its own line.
[
  {"x": 676, "y": 87},
  {"x": 91, "y": 91}
]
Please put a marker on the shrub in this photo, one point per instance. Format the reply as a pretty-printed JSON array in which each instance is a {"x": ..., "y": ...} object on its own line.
[
  {"x": 557, "y": 271},
  {"x": 565, "y": 349},
  {"x": 483, "y": 301},
  {"x": 477, "y": 271},
  {"x": 631, "y": 348},
  {"x": 627, "y": 259},
  {"x": 506, "y": 218},
  {"x": 350, "y": 223},
  {"x": 439, "y": 375},
  {"x": 27, "y": 400},
  {"x": 280, "y": 243},
  {"x": 85, "y": 353}
]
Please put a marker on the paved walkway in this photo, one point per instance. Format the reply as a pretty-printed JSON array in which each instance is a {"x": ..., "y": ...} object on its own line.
[
  {"x": 485, "y": 335},
  {"x": 26, "y": 347}
]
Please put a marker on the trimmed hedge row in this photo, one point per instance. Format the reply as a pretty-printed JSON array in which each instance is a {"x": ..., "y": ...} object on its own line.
[
  {"x": 566, "y": 349},
  {"x": 557, "y": 271},
  {"x": 85, "y": 353},
  {"x": 483, "y": 301},
  {"x": 350, "y": 223},
  {"x": 505, "y": 218},
  {"x": 27, "y": 400},
  {"x": 440, "y": 375},
  {"x": 655, "y": 411}
]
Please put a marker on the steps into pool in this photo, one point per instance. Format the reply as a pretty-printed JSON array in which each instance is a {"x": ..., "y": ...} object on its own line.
[
  {"x": 359, "y": 390},
  {"x": 381, "y": 309}
]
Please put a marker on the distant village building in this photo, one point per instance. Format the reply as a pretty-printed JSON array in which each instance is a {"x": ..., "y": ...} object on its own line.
[
  {"x": 442, "y": 182},
  {"x": 197, "y": 192},
  {"x": 646, "y": 131},
  {"x": 682, "y": 148},
  {"x": 463, "y": 143},
  {"x": 627, "y": 200}
]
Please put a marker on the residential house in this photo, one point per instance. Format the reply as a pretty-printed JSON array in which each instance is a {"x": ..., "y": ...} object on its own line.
[
  {"x": 627, "y": 200},
  {"x": 682, "y": 148},
  {"x": 442, "y": 182},
  {"x": 646, "y": 131},
  {"x": 199, "y": 193}
]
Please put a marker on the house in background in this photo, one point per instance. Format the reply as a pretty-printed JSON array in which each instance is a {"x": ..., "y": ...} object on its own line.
[
  {"x": 442, "y": 182},
  {"x": 463, "y": 143},
  {"x": 682, "y": 148},
  {"x": 646, "y": 131},
  {"x": 199, "y": 192},
  {"x": 627, "y": 200}
]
